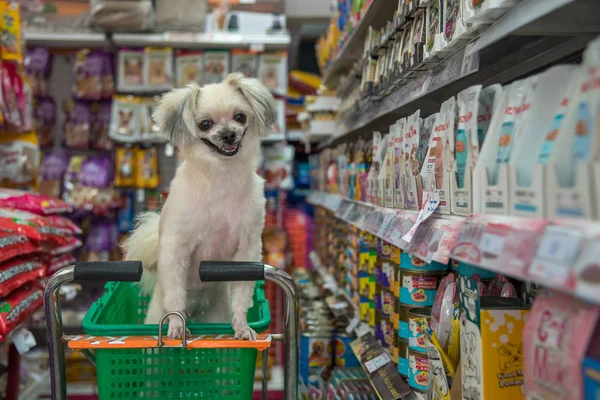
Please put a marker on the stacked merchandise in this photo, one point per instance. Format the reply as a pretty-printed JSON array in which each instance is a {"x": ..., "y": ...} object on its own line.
[
  {"x": 36, "y": 242},
  {"x": 328, "y": 367},
  {"x": 503, "y": 337}
]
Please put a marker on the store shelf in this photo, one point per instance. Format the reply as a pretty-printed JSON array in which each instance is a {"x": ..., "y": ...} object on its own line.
[
  {"x": 433, "y": 240},
  {"x": 561, "y": 254},
  {"x": 202, "y": 40},
  {"x": 522, "y": 42},
  {"x": 66, "y": 39},
  {"x": 378, "y": 13}
]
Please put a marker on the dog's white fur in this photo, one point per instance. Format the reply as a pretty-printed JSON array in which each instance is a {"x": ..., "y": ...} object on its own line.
[{"x": 216, "y": 205}]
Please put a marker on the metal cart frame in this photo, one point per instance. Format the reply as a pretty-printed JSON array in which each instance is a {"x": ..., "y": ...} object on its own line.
[{"x": 131, "y": 271}]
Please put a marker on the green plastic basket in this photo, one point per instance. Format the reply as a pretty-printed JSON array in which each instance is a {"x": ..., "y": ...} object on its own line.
[{"x": 168, "y": 373}]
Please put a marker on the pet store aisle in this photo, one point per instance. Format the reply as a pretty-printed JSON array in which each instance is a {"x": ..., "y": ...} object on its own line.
[{"x": 456, "y": 204}]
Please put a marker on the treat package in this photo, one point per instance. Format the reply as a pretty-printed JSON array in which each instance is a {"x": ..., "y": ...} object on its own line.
[
  {"x": 72, "y": 178},
  {"x": 19, "y": 271},
  {"x": 278, "y": 164},
  {"x": 188, "y": 67},
  {"x": 122, "y": 15},
  {"x": 65, "y": 224},
  {"x": 399, "y": 198},
  {"x": 51, "y": 234},
  {"x": 12, "y": 44},
  {"x": 17, "y": 239},
  {"x": 38, "y": 67},
  {"x": 31, "y": 202},
  {"x": 44, "y": 115},
  {"x": 19, "y": 160},
  {"x": 89, "y": 185},
  {"x": 131, "y": 70},
  {"x": 426, "y": 129},
  {"x": 273, "y": 71},
  {"x": 488, "y": 98},
  {"x": 70, "y": 244},
  {"x": 54, "y": 167},
  {"x": 244, "y": 61},
  {"x": 16, "y": 110},
  {"x": 101, "y": 241},
  {"x": 58, "y": 262},
  {"x": 466, "y": 149},
  {"x": 125, "y": 119},
  {"x": 216, "y": 66},
  {"x": 92, "y": 75},
  {"x": 150, "y": 131},
  {"x": 101, "y": 125},
  {"x": 78, "y": 124},
  {"x": 555, "y": 339},
  {"x": 125, "y": 217},
  {"x": 146, "y": 168},
  {"x": 19, "y": 306},
  {"x": 158, "y": 68},
  {"x": 125, "y": 167}
]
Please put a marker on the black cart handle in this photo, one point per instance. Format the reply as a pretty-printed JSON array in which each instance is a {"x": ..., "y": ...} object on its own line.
[
  {"x": 229, "y": 271},
  {"x": 118, "y": 271}
]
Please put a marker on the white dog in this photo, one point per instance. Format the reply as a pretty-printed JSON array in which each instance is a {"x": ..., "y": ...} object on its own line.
[{"x": 216, "y": 206}]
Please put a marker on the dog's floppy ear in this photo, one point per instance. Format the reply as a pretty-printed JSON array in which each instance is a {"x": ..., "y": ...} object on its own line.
[
  {"x": 259, "y": 98},
  {"x": 174, "y": 114}
]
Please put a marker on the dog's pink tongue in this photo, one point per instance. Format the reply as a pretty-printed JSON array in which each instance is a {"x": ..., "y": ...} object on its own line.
[{"x": 230, "y": 148}]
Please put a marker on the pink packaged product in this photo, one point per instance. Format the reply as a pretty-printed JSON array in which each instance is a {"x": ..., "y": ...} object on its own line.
[
  {"x": 16, "y": 108},
  {"x": 555, "y": 339}
]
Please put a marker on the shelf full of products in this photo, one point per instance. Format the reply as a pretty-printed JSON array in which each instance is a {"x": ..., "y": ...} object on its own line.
[{"x": 416, "y": 59}]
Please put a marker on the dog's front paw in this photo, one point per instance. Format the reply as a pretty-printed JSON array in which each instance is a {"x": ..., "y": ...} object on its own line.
[
  {"x": 245, "y": 333},
  {"x": 176, "y": 329}
]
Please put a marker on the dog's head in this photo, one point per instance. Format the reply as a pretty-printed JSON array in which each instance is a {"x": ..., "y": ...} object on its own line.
[{"x": 222, "y": 120}]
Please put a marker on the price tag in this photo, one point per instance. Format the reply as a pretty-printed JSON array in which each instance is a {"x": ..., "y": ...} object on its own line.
[
  {"x": 377, "y": 362},
  {"x": 491, "y": 243},
  {"x": 557, "y": 253},
  {"x": 258, "y": 47},
  {"x": 430, "y": 202},
  {"x": 23, "y": 340},
  {"x": 353, "y": 324}
]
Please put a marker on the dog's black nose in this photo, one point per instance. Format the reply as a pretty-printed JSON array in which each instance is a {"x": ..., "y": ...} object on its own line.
[{"x": 228, "y": 137}]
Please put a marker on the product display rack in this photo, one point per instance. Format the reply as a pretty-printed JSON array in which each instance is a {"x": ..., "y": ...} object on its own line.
[
  {"x": 182, "y": 40},
  {"x": 376, "y": 15},
  {"x": 528, "y": 37},
  {"x": 459, "y": 242}
]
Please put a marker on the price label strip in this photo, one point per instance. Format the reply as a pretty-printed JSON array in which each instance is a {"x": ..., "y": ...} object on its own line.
[{"x": 556, "y": 254}]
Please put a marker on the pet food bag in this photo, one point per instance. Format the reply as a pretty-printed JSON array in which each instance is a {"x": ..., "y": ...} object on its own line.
[
  {"x": 158, "y": 69},
  {"x": 244, "y": 61},
  {"x": 216, "y": 66},
  {"x": 273, "y": 70},
  {"x": 188, "y": 67},
  {"x": 131, "y": 67}
]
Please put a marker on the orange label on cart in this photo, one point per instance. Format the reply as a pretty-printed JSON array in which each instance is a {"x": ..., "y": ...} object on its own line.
[{"x": 81, "y": 342}]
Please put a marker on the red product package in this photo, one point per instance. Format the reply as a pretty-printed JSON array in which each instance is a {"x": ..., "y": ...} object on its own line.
[
  {"x": 52, "y": 234},
  {"x": 19, "y": 271},
  {"x": 65, "y": 223},
  {"x": 71, "y": 244},
  {"x": 19, "y": 306},
  {"x": 15, "y": 241},
  {"x": 32, "y": 202},
  {"x": 59, "y": 262}
]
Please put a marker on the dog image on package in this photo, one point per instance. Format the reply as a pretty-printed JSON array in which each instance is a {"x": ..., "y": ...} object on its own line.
[{"x": 216, "y": 206}]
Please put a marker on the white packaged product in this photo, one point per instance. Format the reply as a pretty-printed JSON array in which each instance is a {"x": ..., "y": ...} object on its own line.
[
  {"x": 465, "y": 147},
  {"x": 374, "y": 170},
  {"x": 216, "y": 66},
  {"x": 188, "y": 67},
  {"x": 399, "y": 200},
  {"x": 380, "y": 197},
  {"x": 273, "y": 72},
  {"x": 488, "y": 99}
]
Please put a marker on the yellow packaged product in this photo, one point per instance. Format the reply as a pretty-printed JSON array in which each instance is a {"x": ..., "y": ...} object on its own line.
[
  {"x": 125, "y": 163},
  {"x": 146, "y": 171},
  {"x": 10, "y": 27}
]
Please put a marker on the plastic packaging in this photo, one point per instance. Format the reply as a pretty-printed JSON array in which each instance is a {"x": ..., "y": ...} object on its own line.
[
  {"x": 35, "y": 203},
  {"x": 19, "y": 271},
  {"x": 124, "y": 15},
  {"x": 18, "y": 307}
]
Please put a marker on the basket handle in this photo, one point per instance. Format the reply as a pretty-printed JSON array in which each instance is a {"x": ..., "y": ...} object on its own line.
[
  {"x": 120, "y": 271},
  {"x": 229, "y": 271}
]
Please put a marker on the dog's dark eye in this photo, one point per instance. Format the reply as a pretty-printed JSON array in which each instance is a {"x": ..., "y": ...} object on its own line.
[
  {"x": 241, "y": 118},
  {"x": 205, "y": 125}
]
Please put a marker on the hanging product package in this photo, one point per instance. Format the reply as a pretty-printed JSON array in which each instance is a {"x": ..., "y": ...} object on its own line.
[
  {"x": 19, "y": 306},
  {"x": 19, "y": 160},
  {"x": 124, "y": 15}
]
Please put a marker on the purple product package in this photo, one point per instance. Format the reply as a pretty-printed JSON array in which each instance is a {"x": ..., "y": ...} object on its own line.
[
  {"x": 88, "y": 71},
  {"x": 78, "y": 124},
  {"x": 97, "y": 172},
  {"x": 100, "y": 139},
  {"x": 38, "y": 67},
  {"x": 54, "y": 167},
  {"x": 99, "y": 241},
  {"x": 44, "y": 113}
]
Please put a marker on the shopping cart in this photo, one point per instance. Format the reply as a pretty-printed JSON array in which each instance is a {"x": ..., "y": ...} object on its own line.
[{"x": 210, "y": 366}]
